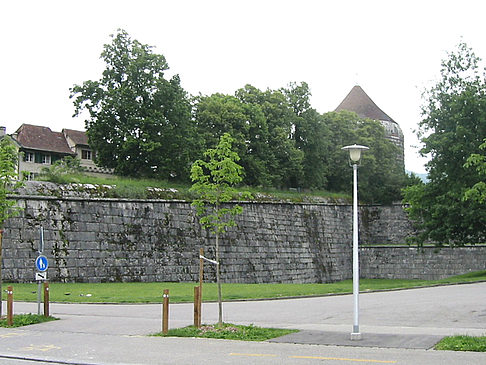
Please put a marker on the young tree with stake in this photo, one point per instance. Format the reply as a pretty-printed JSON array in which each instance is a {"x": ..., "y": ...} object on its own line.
[{"x": 213, "y": 183}]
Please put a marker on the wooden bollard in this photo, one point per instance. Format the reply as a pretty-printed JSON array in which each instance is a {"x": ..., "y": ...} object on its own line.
[
  {"x": 201, "y": 278},
  {"x": 46, "y": 299},
  {"x": 197, "y": 314},
  {"x": 165, "y": 312},
  {"x": 9, "y": 306}
]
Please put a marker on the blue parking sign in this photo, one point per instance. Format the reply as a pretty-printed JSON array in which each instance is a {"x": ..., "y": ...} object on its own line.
[{"x": 41, "y": 263}]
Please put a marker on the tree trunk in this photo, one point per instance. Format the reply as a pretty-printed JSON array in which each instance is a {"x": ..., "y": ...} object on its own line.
[{"x": 220, "y": 301}]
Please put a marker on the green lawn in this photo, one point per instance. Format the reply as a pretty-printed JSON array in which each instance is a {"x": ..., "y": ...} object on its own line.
[
  {"x": 462, "y": 343},
  {"x": 20, "y": 320},
  {"x": 184, "y": 292},
  {"x": 229, "y": 332}
]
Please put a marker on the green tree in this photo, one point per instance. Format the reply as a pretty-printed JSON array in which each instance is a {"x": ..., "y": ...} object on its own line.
[
  {"x": 213, "y": 183},
  {"x": 311, "y": 136},
  {"x": 9, "y": 181},
  {"x": 60, "y": 168},
  {"x": 478, "y": 161},
  {"x": 381, "y": 177},
  {"x": 283, "y": 160},
  {"x": 452, "y": 130},
  {"x": 139, "y": 122}
]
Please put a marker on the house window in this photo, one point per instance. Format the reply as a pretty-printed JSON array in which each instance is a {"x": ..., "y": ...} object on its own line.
[
  {"x": 46, "y": 159},
  {"x": 86, "y": 154},
  {"x": 29, "y": 157}
]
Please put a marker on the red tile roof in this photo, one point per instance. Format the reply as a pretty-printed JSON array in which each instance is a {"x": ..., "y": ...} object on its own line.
[
  {"x": 359, "y": 102},
  {"x": 42, "y": 138},
  {"x": 78, "y": 137}
]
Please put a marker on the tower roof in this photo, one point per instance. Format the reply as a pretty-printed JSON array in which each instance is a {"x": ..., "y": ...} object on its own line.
[{"x": 359, "y": 102}]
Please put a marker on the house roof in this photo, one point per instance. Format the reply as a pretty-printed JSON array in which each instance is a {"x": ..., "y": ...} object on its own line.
[
  {"x": 42, "y": 138},
  {"x": 78, "y": 137},
  {"x": 359, "y": 102}
]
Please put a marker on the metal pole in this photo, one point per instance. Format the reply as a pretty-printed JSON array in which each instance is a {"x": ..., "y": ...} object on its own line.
[
  {"x": 355, "y": 335},
  {"x": 39, "y": 283},
  {"x": 39, "y": 290}
]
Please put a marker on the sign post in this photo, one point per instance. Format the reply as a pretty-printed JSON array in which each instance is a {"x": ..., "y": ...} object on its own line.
[{"x": 41, "y": 265}]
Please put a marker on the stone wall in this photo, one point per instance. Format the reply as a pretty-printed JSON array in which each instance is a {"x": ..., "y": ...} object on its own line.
[
  {"x": 429, "y": 263},
  {"x": 97, "y": 240},
  {"x": 381, "y": 224},
  {"x": 100, "y": 240}
]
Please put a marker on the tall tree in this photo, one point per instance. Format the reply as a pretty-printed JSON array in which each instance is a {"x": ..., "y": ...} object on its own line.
[
  {"x": 283, "y": 159},
  {"x": 478, "y": 161},
  {"x": 9, "y": 181},
  {"x": 311, "y": 136},
  {"x": 381, "y": 177},
  {"x": 452, "y": 130},
  {"x": 213, "y": 183},
  {"x": 139, "y": 122}
]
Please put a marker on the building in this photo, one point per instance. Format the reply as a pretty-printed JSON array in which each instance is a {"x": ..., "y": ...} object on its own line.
[
  {"x": 40, "y": 147},
  {"x": 359, "y": 102}
]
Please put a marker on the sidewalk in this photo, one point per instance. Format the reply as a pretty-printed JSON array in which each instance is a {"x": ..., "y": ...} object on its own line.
[{"x": 412, "y": 319}]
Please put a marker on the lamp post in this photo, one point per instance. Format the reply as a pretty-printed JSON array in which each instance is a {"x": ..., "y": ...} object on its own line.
[{"x": 354, "y": 156}]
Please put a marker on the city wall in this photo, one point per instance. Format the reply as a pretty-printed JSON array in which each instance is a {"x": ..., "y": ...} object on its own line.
[{"x": 106, "y": 240}]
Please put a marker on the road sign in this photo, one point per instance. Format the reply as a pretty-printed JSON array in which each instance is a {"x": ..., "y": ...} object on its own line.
[
  {"x": 40, "y": 276},
  {"x": 41, "y": 263}
]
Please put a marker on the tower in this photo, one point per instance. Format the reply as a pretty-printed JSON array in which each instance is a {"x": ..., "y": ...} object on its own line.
[{"x": 359, "y": 102}]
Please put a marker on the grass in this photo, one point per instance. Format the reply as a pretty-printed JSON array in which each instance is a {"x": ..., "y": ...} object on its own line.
[
  {"x": 462, "y": 343},
  {"x": 184, "y": 292},
  {"x": 123, "y": 187},
  {"x": 228, "y": 331},
  {"x": 20, "y": 320}
]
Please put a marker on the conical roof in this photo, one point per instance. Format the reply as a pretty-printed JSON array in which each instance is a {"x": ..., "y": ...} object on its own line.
[{"x": 359, "y": 102}]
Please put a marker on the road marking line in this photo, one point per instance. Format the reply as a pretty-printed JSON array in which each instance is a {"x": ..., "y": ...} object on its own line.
[
  {"x": 42, "y": 348},
  {"x": 343, "y": 359},
  {"x": 11, "y": 334},
  {"x": 256, "y": 355}
]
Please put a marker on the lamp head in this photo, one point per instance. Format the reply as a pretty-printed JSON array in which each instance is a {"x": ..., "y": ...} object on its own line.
[{"x": 355, "y": 151}]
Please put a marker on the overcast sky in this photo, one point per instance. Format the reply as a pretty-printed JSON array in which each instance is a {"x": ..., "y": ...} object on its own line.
[{"x": 392, "y": 49}]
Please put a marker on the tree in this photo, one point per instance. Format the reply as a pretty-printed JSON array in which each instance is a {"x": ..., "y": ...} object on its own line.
[
  {"x": 283, "y": 160},
  {"x": 9, "y": 181},
  {"x": 452, "y": 130},
  {"x": 311, "y": 136},
  {"x": 60, "y": 168},
  {"x": 381, "y": 177},
  {"x": 478, "y": 161},
  {"x": 213, "y": 184},
  {"x": 139, "y": 122}
]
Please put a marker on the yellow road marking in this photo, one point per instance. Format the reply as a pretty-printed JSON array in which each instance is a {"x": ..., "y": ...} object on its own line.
[
  {"x": 43, "y": 348},
  {"x": 11, "y": 334},
  {"x": 319, "y": 358},
  {"x": 257, "y": 355},
  {"x": 343, "y": 359}
]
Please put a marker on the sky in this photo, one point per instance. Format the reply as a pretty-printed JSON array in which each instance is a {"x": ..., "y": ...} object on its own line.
[{"x": 392, "y": 49}]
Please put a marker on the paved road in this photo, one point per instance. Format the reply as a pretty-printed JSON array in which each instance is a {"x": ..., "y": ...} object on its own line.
[{"x": 115, "y": 334}]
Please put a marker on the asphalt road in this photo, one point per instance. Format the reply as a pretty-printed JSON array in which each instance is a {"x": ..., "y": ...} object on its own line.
[{"x": 116, "y": 334}]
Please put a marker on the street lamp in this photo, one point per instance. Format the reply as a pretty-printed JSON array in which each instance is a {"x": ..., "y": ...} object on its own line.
[{"x": 355, "y": 155}]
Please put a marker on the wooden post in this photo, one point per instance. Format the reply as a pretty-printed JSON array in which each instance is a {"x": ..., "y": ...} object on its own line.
[
  {"x": 196, "y": 307},
  {"x": 165, "y": 312},
  {"x": 9, "y": 306},
  {"x": 46, "y": 299},
  {"x": 201, "y": 278}
]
